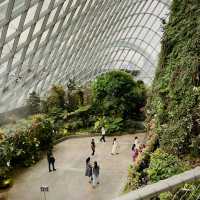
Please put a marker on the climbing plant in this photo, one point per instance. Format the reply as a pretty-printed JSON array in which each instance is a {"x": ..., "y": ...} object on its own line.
[{"x": 175, "y": 98}]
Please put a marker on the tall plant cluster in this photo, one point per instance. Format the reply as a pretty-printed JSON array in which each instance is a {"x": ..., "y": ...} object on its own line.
[
  {"x": 25, "y": 145},
  {"x": 175, "y": 101},
  {"x": 117, "y": 94},
  {"x": 116, "y": 99}
]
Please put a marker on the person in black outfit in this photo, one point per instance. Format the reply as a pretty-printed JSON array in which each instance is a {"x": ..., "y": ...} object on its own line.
[
  {"x": 93, "y": 146},
  {"x": 51, "y": 160}
]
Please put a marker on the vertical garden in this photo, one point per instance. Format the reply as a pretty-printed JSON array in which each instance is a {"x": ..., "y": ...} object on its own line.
[
  {"x": 175, "y": 102},
  {"x": 173, "y": 108}
]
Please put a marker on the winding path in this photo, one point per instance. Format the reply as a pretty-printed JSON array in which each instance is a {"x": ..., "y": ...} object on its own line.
[{"x": 68, "y": 181}]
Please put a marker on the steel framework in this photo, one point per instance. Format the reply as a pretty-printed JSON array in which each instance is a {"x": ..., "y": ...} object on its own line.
[{"x": 45, "y": 42}]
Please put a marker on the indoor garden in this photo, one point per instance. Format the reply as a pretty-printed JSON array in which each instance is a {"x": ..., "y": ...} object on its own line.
[{"x": 100, "y": 100}]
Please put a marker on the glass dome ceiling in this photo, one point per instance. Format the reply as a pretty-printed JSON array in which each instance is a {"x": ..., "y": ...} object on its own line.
[{"x": 45, "y": 42}]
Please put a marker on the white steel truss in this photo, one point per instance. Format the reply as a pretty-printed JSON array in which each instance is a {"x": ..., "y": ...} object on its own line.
[{"x": 45, "y": 42}]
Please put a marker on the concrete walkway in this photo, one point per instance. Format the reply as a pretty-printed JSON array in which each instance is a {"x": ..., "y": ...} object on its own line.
[{"x": 68, "y": 182}]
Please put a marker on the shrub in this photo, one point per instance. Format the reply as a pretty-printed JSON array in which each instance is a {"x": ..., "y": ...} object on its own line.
[
  {"x": 195, "y": 147},
  {"x": 6, "y": 152},
  {"x": 163, "y": 165},
  {"x": 138, "y": 171},
  {"x": 75, "y": 96},
  {"x": 111, "y": 125},
  {"x": 81, "y": 112},
  {"x": 166, "y": 196},
  {"x": 117, "y": 94},
  {"x": 23, "y": 147},
  {"x": 56, "y": 97},
  {"x": 84, "y": 114},
  {"x": 33, "y": 103},
  {"x": 133, "y": 182},
  {"x": 2, "y": 135},
  {"x": 73, "y": 100},
  {"x": 74, "y": 125},
  {"x": 42, "y": 129}
]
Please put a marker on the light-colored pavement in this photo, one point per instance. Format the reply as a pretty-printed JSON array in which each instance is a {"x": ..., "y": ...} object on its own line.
[{"x": 68, "y": 182}]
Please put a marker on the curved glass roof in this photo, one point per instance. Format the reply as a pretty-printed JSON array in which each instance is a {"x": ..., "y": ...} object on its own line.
[{"x": 45, "y": 42}]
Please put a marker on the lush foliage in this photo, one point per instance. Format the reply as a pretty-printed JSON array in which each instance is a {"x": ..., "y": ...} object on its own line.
[
  {"x": 80, "y": 118},
  {"x": 163, "y": 165},
  {"x": 117, "y": 94},
  {"x": 134, "y": 73},
  {"x": 33, "y": 103},
  {"x": 175, "y": 99},
  {"x": 56, "y": 98},
  {"x": 24, "y": 146},
  {"x": 110, "y": 124},
  {"x": 187, "y": 191},
  {"x": 74, "y": 97},
  {"x": 137, "y": 175},
  {"x": 42, "y": 129}
]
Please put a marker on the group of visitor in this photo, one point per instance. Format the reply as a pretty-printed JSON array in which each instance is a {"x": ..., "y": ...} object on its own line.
[
  {"x": 115, "y": 144},
  {"x": 93, "y": 170},
  {"x": 136, "y": 149}
]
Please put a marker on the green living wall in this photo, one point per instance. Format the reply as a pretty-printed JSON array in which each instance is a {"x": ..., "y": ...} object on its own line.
[{"x": 174, "y": 106}]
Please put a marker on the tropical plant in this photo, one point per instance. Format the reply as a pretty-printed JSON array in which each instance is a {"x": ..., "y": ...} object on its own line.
[
  {"x": 163, "y": 165},
  {"x": 33, "y": 102},
  {"x": 56, "y": 98},
  {"x": 42, "y": 130},
  {"x": 23, "y": 145},
  {"x": 117, "y": 94},
  {"x": 111, "y": 124},
  {"x": 175, "y": 98}
]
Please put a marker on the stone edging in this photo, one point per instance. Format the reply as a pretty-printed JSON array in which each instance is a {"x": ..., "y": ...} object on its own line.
[
  {"x": 91, "y": 135},
  {"x": 72, "y": 137}
]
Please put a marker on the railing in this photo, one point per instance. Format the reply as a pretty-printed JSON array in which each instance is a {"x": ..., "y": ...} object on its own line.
[{"x": 167, "y": 185}]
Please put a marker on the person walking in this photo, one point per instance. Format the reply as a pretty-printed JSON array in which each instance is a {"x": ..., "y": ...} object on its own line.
[
  {"x": 93, "y": 146},
  {"x": 103, "y": 133},
  {"x": 134, "y": 153},
  {"x": 115, "y": 147},
  {"x": 95, "y": 174},
  {"x": 88, "y": 170},
  {"x": 137, "y": 143},
  {"x": 51, "y": 160}
]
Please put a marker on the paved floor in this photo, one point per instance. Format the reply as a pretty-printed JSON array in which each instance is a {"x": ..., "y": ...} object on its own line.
[{"x": 69, "y": 182}]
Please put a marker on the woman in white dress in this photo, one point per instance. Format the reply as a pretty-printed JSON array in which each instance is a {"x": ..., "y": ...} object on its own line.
[
  {"x": 137, "y": 143},
  {"x": 115, "y": 147}
]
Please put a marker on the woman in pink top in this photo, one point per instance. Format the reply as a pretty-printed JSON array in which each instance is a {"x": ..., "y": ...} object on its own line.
[{"x": 134, "y": 152}]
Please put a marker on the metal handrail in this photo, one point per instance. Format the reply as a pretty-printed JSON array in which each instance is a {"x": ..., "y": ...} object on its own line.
[{"x": 152, "y": 190}]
